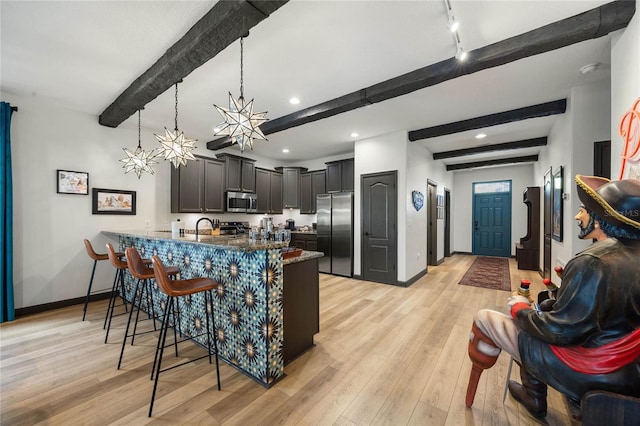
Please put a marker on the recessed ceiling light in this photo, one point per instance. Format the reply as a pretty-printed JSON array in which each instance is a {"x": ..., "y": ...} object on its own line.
[
  {"x": 481, "y": 136},
  {"x": 294, "y": 101},
  {"x": 285, "y": 150},
  {"x": 354, "y": 135}
]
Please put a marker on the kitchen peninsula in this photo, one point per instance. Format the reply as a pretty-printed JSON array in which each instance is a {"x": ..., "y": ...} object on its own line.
[{"x": 266, "y": 307}]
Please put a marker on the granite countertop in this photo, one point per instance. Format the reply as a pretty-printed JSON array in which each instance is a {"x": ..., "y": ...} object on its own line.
[
  {"x": 304, "y": 232},
  {"x": 306, "y": 255},
  {"x": 227, "y": 242}
]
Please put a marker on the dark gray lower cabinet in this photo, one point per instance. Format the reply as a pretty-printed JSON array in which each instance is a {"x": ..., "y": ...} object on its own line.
[
  {"x": 304, "y": 241},
  {"x": 300, "y": 306}
]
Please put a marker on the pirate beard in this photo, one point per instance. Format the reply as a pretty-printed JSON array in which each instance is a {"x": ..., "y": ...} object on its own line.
[{"x": 586, "y": 230}]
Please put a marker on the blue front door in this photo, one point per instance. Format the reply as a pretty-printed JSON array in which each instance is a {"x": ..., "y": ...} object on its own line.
[{"x": 492, "y": 224}]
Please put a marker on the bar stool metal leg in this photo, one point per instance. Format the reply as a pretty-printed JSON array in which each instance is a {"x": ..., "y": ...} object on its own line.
[
  {"x": 161, "y": 343},
  {"x": 86, "y": 299},
  {"x": 126, "y": 332},
  {"x": 175, "y": 290},
  {"x": 209, "y": 338}
]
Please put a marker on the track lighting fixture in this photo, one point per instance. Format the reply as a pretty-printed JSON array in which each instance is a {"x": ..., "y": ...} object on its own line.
[{"x": 453, "y": 26}]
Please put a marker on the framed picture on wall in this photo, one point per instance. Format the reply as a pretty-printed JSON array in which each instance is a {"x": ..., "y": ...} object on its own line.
[
  {"x": 557, "y": 219},
  {"x": 69, "y": 182},
  {"x": 113, "y": 201}
]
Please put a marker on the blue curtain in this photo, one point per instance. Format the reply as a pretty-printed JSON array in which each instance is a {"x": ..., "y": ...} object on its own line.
[{"x": 7, "y": 309}]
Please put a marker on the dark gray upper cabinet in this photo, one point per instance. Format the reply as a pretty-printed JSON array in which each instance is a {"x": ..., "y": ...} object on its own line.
[
  {"x": 340, "y": 175},
  {"x": 198, "y": 187},
  {"x": 240, "y": 173},
  {"x": 311, "y": 184},
  {"x": 269, "y": 191},
  {"x": 213, "y": 191},
  {"x": 276, "y": 193},
  {"x": 291, "y": 186}
]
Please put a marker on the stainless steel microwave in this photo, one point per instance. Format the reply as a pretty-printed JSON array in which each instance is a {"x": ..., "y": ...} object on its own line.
[{"x": 242, "y": 202}]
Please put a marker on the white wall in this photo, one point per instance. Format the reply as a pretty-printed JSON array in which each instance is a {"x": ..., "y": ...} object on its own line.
[
  {"x": 570, "y": 145},
  {"x": 590, "y": 120},
  {"x": 625, "y": 86},
  {"x": 420, "y": 168},
  {"x": 521, "y": 176},
  {"x": 50, "y": 261}
]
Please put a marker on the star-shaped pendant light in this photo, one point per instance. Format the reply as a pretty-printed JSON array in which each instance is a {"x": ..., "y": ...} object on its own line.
[
  {"x": 175, "y": 146},
  {"x": 139, "y": 160},
  {"x": 240, "y": 122}
]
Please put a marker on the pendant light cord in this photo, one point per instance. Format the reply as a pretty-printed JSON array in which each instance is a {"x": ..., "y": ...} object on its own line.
[
  {"x": 241, "y": 67},
  {"x": 176, "y": 121},
  {"x": 139, "y": 146}
]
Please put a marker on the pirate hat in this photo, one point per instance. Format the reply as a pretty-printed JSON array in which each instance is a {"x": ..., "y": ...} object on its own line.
[{"x": 617, "y": 202}]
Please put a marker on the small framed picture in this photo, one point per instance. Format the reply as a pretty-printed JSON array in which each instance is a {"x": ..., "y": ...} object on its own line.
[
  {"x": 113, "y": 201},
  {"x": 558, "y": 217},
  {"x": 69, "y": 182}
]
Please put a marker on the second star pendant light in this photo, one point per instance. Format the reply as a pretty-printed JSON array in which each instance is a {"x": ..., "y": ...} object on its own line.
[{"x": 175, "y": 146}]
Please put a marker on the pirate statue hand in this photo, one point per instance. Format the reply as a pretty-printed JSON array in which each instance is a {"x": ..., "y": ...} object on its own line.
[{"x": 517, "y": 303}]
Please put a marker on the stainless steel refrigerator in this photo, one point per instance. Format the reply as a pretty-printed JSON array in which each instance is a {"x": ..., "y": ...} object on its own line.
[{"x": 335, "y": 233}]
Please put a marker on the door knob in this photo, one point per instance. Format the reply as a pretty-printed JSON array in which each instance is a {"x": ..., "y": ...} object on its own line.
[{"x": 366, "y": 234}]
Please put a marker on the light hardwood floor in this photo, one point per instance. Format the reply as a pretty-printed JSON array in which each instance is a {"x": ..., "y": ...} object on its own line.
[{"x": 384, "y": 355}]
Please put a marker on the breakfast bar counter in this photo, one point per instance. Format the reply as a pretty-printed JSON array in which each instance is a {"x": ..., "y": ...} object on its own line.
[{"x": 266, "y": 307}]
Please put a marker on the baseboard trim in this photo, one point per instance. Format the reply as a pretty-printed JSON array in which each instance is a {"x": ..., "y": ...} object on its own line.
[
  {"x": 413, "y": 279},
  {"x": 36, "y": 309}
]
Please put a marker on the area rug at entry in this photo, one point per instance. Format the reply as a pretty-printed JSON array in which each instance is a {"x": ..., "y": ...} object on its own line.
[{"x": 488, "y": 272}]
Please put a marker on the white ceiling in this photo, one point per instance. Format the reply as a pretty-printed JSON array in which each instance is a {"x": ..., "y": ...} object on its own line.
[{"x": 83, "y": 54}]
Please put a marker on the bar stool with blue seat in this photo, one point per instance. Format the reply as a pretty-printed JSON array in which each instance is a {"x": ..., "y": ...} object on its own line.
[
  {"x": 96, "y": 257},
  {"x": 144, "y": 274},
  {"x": 174, "y": 289}
]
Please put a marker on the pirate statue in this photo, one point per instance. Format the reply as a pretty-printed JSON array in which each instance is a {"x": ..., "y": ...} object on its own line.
[{"x": 589, "y": 336}]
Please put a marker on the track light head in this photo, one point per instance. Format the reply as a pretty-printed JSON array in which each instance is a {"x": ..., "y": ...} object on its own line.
[{"x": 461, "y": 54}]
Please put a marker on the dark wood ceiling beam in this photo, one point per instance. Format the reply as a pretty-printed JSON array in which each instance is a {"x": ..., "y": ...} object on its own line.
[
  {"x": 333, "y": 107},
  {"x": 533, "y": 111},
  {"x": 589, "y": 25},
  {"x": 225, "y": 23},
  {"x": 526, "y": 143},
  {"x": 498, "y": 162}
]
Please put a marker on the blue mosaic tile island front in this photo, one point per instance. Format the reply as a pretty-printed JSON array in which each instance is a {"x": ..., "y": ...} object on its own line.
[{"x": 247, "y": 303}]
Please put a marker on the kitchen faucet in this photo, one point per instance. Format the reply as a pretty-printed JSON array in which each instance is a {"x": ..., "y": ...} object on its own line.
[{"x": 201, "y": 219}]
